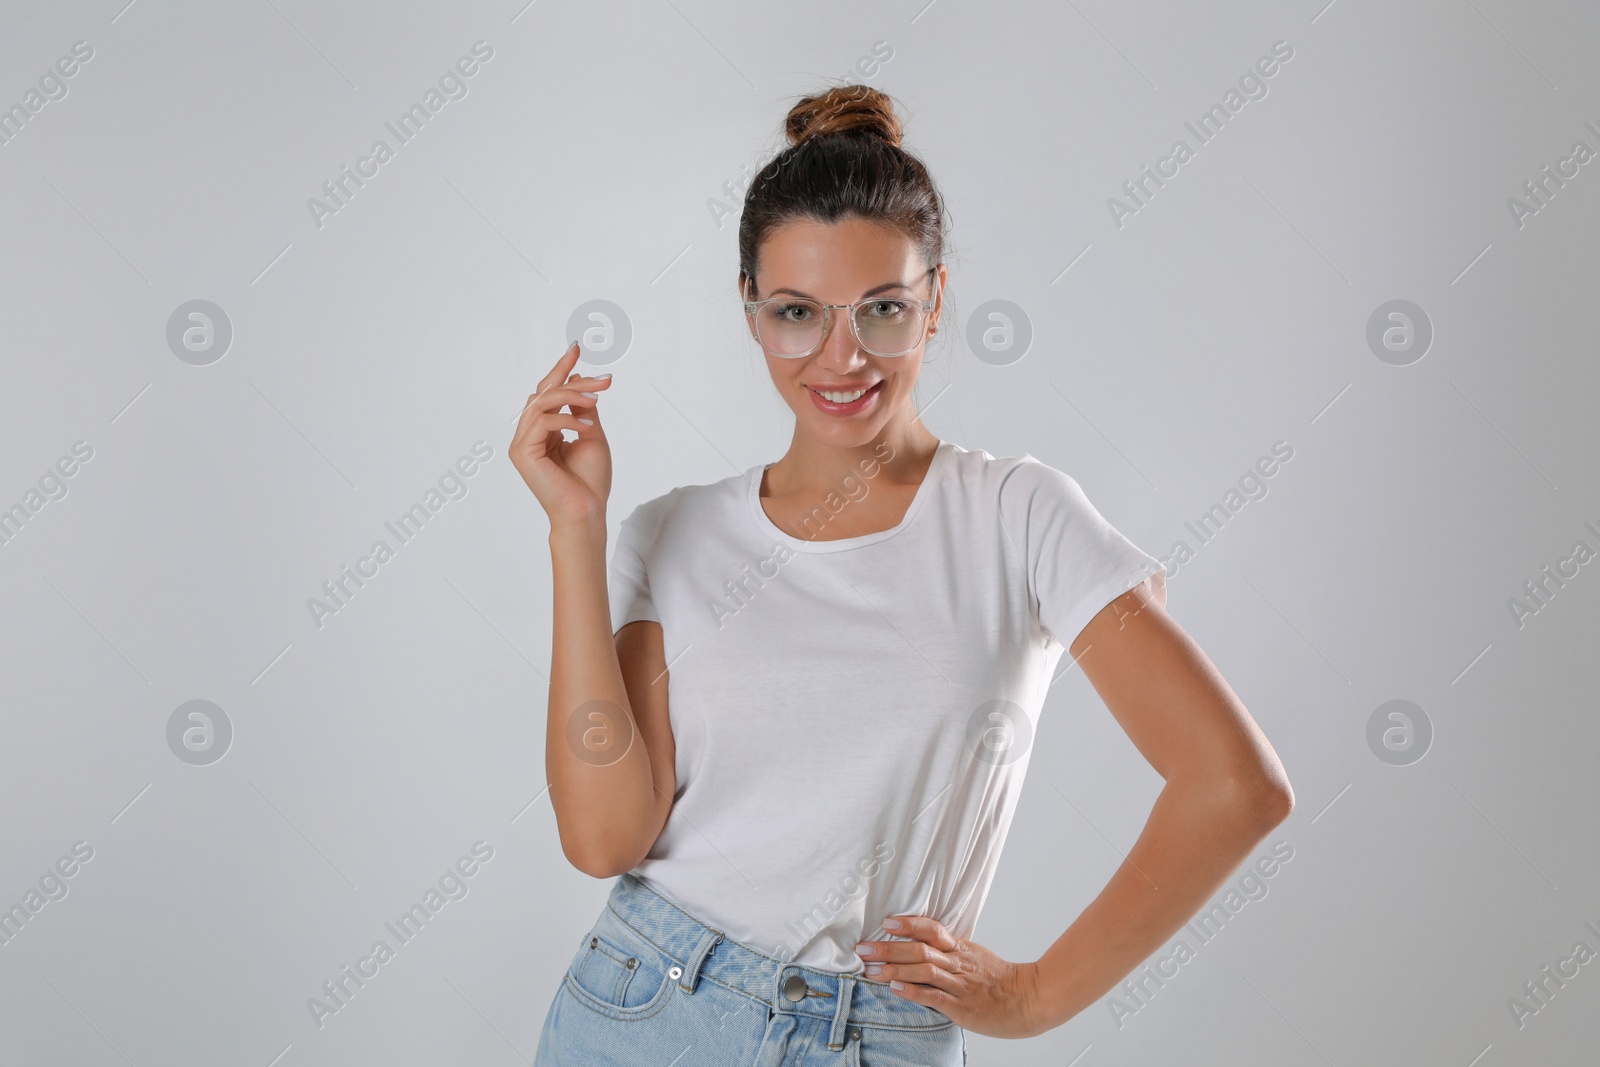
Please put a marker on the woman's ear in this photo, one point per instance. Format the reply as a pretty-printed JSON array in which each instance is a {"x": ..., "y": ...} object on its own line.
[{"x": 747, "y": 294}]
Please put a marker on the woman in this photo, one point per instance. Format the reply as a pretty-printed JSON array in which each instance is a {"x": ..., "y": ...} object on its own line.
[{"x": 860, "y": 637}]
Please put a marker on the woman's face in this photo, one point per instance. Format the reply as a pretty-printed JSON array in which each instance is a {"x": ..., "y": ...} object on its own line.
[{"x": 842, "y": 263}]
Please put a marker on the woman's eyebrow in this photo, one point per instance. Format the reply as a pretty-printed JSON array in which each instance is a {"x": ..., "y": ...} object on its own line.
[{"x": 870, "y": 292}]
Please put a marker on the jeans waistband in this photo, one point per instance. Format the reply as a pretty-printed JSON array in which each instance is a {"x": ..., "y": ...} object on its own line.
[{"x": 786, "y": 988}]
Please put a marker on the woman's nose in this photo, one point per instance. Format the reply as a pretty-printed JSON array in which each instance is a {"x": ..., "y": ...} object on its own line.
[{"x": 839, "y": 350}]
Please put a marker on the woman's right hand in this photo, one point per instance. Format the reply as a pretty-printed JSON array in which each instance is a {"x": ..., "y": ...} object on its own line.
[{"x": 571, "y": 479}]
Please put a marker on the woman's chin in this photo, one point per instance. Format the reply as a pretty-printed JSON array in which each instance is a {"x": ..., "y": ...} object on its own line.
[{"x": 857, "y": 433}]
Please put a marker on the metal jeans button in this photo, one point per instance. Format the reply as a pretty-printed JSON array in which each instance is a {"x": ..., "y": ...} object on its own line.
[{"x": 794, "y": 987}]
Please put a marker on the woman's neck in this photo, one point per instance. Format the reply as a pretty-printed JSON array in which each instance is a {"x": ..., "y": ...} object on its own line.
[{"x": 902, "y": 451}]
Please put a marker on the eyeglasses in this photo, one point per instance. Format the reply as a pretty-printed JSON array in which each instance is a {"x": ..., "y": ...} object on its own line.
[{"x": 793, "y": 327}]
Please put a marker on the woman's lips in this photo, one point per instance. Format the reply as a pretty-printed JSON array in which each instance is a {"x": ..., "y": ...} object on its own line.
[{"x": 854, "y": 407}]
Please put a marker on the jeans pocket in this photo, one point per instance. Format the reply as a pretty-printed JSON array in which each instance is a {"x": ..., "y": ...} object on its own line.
[{"x": 621, "y": 975}]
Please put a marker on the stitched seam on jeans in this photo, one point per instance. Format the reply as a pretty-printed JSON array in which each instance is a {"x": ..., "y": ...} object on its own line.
[
  {"x": 592, "y": 969},
  {"x": 596, "y": 1004}
]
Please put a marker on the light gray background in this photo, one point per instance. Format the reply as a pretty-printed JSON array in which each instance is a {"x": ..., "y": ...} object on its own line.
[{"x": 369, "y": 354}]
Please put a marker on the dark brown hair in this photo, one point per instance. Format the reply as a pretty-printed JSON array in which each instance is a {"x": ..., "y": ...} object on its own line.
[{"x": 844, "y": 159}]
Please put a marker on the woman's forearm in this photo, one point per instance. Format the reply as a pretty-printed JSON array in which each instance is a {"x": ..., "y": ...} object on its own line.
[
  {"x": 1196, "y": 836},
  {"x": 605, "y": 803}
]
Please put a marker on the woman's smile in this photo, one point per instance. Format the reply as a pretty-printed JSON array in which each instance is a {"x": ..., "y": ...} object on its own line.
[{"x": 842, "y": 401}]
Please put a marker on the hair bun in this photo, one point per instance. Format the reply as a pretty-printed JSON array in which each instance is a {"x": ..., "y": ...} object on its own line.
[{"x": 844, "y": 109}]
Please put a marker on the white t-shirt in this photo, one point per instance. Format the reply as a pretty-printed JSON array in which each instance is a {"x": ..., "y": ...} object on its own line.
[{"x": 853, "y": 717}]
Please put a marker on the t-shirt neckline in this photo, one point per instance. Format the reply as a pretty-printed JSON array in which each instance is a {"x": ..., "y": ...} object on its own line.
[{"x": 801, "y": 544}]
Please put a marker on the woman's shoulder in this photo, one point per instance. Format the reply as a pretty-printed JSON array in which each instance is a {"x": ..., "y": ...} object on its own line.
[
  {"x": 977, "y": 468},
  {"x": 1018, "y": 490}
]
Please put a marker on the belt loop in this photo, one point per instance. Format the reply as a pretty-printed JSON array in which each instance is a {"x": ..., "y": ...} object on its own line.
[
  {"x": 841, "y": 1013},
  {"x": 691, "y": 970}
]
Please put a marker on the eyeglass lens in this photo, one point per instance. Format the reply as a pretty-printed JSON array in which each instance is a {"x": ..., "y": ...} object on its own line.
[{"x": 887, "y": 327}]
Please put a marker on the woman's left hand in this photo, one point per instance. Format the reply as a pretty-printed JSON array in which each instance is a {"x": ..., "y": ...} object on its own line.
[{"x": 978, "y": 990}]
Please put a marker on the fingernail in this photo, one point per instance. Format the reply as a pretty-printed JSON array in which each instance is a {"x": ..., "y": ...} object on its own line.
[
  {"x": 863, "y": 950},
  {"x": 874, "y": 968},
  {"x": 571, "y": 343},
  {"x": 607, "y": 374},
  {"x": 587, "y": 422},
  {"x": 891, "y": 924},
  {"x": 897, "y": 985},
  {"x": 591, "y": 396}
]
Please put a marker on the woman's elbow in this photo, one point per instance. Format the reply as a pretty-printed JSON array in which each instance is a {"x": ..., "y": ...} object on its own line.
[
  {"x": 1259, "y": 787},
  {"x": 1279, "y": 807},
  {"x": 1254, "y": 801},
  {"x": 1268, "y": 801},
  {"x": 596, "y": 865},
  {"x": 596, "y": 862}
]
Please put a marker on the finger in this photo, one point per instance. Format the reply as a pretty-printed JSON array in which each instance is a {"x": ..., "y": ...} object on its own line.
[
  {"x": 588, "y": 400},
  {"x": 553, "y": 421},
  {"x": 576, "y": 387},
  {"x": 588, "y": 408},
  {"x": 589, "y": 382},
  {"x": 531, "y": 409},
  {"x": 550, "y": 402},
  {"x": 932, "y": 996},
  {"x": 926, "y": 929},
  {"x": 558, "y": 395},
  {"x": 527, "y": 415},
  {"x": 574, "y": 396},
  {"x": 920, "y": 930},
  {"x": 912, "y": 952},
  {"x": 562, "y": 367},
  {"x": 901, "y": 954},
  {"x": 923, "y": 974}
]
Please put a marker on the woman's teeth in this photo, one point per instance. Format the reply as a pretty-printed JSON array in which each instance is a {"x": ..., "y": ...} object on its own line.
[{"x": 841, "y": 398}]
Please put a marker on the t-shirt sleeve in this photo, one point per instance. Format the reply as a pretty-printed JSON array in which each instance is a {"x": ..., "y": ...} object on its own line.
[
  {"x": 1076, "y": 561},
  {"x": 628, "y": 581}
]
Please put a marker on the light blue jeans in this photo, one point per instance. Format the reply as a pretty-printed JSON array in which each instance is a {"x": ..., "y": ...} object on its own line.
[{"x": 651, "y": 985}]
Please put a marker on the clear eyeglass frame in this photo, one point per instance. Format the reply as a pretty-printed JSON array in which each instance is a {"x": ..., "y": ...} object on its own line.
[{"x": 753, "y": 308}]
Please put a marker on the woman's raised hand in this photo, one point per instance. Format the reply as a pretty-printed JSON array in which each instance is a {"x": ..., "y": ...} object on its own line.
[{"x": 571, "y": 479}]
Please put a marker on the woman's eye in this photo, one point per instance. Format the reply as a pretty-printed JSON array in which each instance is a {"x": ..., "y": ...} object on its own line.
[
  {"x": 885, "y": 308},
  {"x": 800, "y": 311}
]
